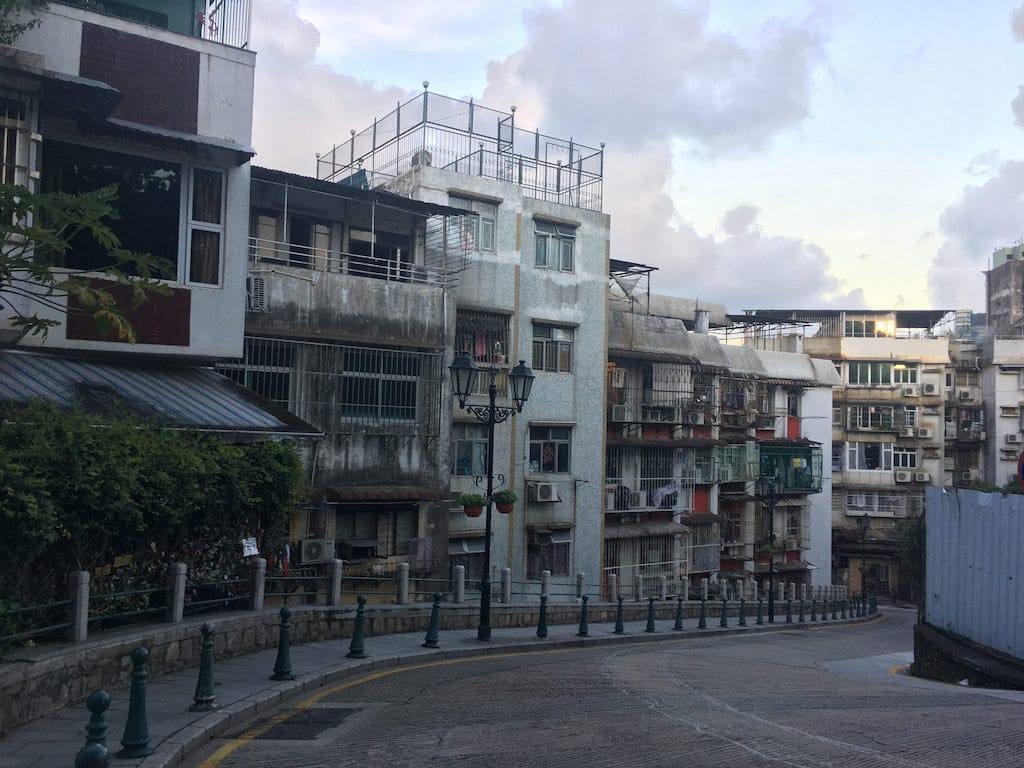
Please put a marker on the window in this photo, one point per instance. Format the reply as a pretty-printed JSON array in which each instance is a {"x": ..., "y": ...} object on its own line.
[
  {"x": 549, "y": 449},
  {"x": 554, "y": 246},
  {"x": 266, "y": 369},
  {"x": 837, "y": 417},
  {"x": 14, "y": 132},
  {"x": 837, "y": 456},
  {"x": 879, "y": 326},
  {"x": 391, "y": 529},
  {"x": 552, "y": 348},
  {"x": 870, "y": 374},
  {"x": 483, "y": 336},
  {"x": 869, "y": 456},
  {"x": 966, "y": 378},
  {"x": 904, "y": 458},
  {"x": 909, "y": 416},
  {"x": 378, "y": 384},
  {"x": 730, "y": 524},
  {"x": 479, "y": 229},
  {"x": 206, "y": 226},
  {"x": 904, "y": 373},
  {"x": 469, "y": 449},
  {"x": 794, "y": 525},
  {"x": 871, "y": 417},
  {"x": 547, "y": 551}
]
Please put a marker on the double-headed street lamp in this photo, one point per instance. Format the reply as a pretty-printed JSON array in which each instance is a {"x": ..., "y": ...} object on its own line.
[
  {"x": 769, "y": 488},
  {"x": 464, "y": 372},
  {"x": 863, "y": 523}
]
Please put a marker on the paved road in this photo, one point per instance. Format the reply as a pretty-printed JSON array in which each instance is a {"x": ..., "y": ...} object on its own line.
[{"x": 812, "y": 698}]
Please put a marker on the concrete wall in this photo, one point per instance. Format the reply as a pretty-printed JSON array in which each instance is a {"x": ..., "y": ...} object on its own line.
[
  {"x": 816, "y": 424},
  {"x": 1002, "y": 383}
]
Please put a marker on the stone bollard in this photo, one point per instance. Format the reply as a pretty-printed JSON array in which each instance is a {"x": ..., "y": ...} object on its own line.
[
  {"x": 678, "y": 626},
  {"x": 259, "y": 583},
  {"x": 356, "y": 648},
  {"x": 584, "y": 629},
  {"x": 177, "y": 575},
  {"x": 790, "y": 595},
  {"x": 663, "y": 590},
  {"x": 136, "y": 728},
  {"x": 639, "y": 586},
  {"x": 580, "y": 583},
  {"x": 613, "y": 587},
  {"x": 723, "y": 620},
  {"x": 686, "y": 588},
  {"x": 94, "y": 754},
  {"x": 335, "y": 570},
  {"x": 542, "y": 618},
  {"x": 403, "y": 583},
  {"x": 459, "y": 588},
  {"x": 78, "y": 610},
  {"x": 545, "y": 582},
  {"x": 650, "y": 615},
  {"x": 435, "y": 623},
  {"x": 283, "y": 662},
  {"x": 506, "y": 585},
  {"x": 702, "y": 620},
  {"x": 620, "y": 627},
  {"x": 204, "y": 698}
]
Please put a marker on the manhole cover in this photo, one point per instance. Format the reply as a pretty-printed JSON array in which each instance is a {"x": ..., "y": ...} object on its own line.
[{"x": 306, "y": 724}]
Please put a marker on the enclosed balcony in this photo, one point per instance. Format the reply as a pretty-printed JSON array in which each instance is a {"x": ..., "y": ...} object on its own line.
[{"x": 796, "y": 463}]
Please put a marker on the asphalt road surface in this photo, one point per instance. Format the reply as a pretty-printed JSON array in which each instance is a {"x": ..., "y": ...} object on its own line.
[{"x": 830, "y": 696}]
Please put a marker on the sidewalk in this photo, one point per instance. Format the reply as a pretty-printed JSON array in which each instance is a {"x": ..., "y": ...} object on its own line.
[{"x": 243, "y": 687}]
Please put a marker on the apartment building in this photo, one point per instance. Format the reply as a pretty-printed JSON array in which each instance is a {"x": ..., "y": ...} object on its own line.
[
  {"x": 888, "y": 423},
  {"x": 156, "y": 99},
  {"x": 532, "y": 289},
  {"x": 692, "y": 424}
]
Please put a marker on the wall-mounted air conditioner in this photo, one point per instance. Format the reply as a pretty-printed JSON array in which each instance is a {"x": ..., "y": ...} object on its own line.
[
  {"x": 910, "y": 391},
  {"x": 930, "y": 389},
  {"x": 964, "y": 394},
  {"x": 922, "y": 477},
  {"x": 904, "y": 476},
  {"x": 1013, "y": 438},
  {"x": 317, "y": 550},
  {"x": 908, "y": 432},
  {"x": 543, "y": 492},
  {"x": 620, "y": 413},
  {"x": 693, "y": 417},
  {"x": 924, "y": 433}
]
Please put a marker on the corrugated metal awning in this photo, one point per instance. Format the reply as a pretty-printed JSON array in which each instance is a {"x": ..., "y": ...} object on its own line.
[
  {"x": 182, "y": 397},
  {"x": 663, "y": 528}
]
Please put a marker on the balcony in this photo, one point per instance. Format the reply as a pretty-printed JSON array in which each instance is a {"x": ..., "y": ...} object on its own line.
[
  {"x": 799, "y": 467},
  {"x": 222, "y": 21}
]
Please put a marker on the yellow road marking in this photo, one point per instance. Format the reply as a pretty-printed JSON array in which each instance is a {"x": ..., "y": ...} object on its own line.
[{"x": 898, "y": 669}]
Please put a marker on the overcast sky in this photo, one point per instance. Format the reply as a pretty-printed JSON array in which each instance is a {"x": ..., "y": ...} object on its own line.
[{"x": 779, "y": 153}]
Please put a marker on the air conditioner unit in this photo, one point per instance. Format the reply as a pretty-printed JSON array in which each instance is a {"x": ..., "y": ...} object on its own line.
[
  {"x": 922, "y": 477},
  {"x": 973, "y": 475},
  {"x": 904, "y": 475},
  {"x": 924, "y": 432},
  {"x": 694, "y": 417},
  {"x": 792, "y": 545},
  {"x": 910, "y": 391},
  {"x": 715, "y": 418},
  {"x": 620, "y": 413},
  {"x": 908, "y": 432},
  {"x": 1013, "y": 437},
  {"x": 256, "y": 293},
  {"x": 317, "y": 550},
  {"x": 930, "y": 389},
  {"x": 543, "y": 492},
  {"x": 964, "y": 394}
]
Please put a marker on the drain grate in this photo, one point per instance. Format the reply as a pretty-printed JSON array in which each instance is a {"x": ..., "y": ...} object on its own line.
[{"x": 306, "y": 724}]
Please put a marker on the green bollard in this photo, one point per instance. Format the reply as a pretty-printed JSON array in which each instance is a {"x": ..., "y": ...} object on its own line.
[
  {"x": 136, "y": 729},
  {"x": 94, "y": 754},
  {"x": 204, "y": 698},
  {"x": 678, "y": 626},
  {"x": 814, "y": 608},
  {"x": 760, "y": 611},
  {"x": 542, "y": 620},
  {"x": 874, "y": 603},
  {"x": 800, "y": 616},
  {"x": 702, "y": 621},
  {"x": 283, "y": 662},
  {"x": 743, "y": 611},
  {"x": 584, "y": 629},
  {"x": 789, "y": 611},
  {"x": 723, "y": 621},
  {"x": 835, "y": 609},
  {"x": 842, "y": 608},
  {"x": 430, "y": 641},
  {"x": 620, "y": 627},
  {"x": 650, "y": 615},
  {"x": 357, "y": 649}
]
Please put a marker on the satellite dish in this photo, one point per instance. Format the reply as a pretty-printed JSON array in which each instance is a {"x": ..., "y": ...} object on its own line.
[{"x": 628, "y": 284}]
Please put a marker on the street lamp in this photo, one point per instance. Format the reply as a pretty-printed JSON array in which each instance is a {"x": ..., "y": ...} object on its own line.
[
  {"x": 863, "y": 523},
  {"x": 769, "y": 488},
  {"x": 464, "y": 372}
]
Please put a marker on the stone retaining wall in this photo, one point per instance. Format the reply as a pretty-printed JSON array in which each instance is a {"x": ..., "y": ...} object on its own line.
[{"x": 36, "y": 681}]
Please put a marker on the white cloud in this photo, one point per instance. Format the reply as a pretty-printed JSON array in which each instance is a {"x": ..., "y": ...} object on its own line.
[
  {"x": 985, "y": 217},
  {"x": 1017, "y": 23}
]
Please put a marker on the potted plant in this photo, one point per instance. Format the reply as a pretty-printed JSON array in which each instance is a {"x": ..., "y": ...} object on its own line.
[
  {"x": 504, "y": 500},
  {"x": 473, "y": 504}
]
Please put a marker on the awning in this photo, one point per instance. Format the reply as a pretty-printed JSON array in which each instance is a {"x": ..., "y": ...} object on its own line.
[
  {"x": 354, "y": 494},
  {"x": 465, "y": 546},
  {"x": 699, "y": 518},
  {"x": 176, "y": 397},
  {"x": 790, "y": 566},
  {"x": 663, "y": 528},
  {"x": 801, "y": 502}
]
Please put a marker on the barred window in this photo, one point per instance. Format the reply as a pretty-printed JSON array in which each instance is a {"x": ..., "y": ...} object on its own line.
[{"x": 552, "y": 348}]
